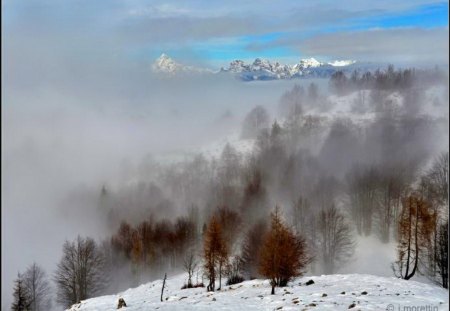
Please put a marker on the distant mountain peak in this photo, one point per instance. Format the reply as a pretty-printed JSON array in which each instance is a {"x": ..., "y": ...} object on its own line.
[
  {"x": 165, "y": 64},
  {"x": 259, "y": 69},
  {"x": 341, "y": 63}
]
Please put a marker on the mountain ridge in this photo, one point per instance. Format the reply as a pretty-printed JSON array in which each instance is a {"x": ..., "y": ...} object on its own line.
[{"x": 259, "y": 69}]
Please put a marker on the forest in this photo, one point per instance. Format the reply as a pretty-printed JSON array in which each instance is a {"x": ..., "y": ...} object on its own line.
[{"x": 293, "y": 205}]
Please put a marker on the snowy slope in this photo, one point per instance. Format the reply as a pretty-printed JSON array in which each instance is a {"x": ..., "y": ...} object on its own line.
[{"x": 329, "y": 292}]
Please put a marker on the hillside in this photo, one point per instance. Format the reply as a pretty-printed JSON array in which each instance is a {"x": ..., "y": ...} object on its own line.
[{"x": 329, "y": 292}]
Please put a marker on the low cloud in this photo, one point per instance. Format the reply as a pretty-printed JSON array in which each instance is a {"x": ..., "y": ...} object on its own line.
[{"x": 394, "y": 45}]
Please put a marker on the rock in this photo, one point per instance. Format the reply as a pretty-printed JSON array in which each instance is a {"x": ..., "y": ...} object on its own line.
[
  {"x": 312, "y": 305},
  {"x": 121, "y": 303},
  {"x": 364, "y": 293},
  {"x": 309, "y": 282},
  {"x": 343, "y": 293},
  {"x": 351, "y": 306},
  {"x": 324, "y": 295},
  {"x": 214, "y": 299}
]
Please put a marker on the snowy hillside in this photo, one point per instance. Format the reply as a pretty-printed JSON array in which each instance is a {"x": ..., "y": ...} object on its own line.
[{"x": 329, "y": 292}]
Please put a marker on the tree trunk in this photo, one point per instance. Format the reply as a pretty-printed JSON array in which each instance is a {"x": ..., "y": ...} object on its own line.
[{"x": 164, "y": 284}]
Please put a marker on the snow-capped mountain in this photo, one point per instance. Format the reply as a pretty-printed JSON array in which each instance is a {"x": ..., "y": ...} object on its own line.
[
  {"x": 263, "y": 69},
  {"x": 165, "y": 64},
  {"x": 341, "y": 63}
]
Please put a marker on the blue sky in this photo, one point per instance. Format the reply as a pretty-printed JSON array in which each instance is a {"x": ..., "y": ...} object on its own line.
[{"x": 217, "y": 32}]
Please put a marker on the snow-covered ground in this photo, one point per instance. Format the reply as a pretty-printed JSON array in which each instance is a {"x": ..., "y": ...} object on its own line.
[{"x": 329, "y": 292}]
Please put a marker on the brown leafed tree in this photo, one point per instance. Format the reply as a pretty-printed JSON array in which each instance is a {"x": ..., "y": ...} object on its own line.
[
  {"x": 215, "y": 252},
  {"x": 415, "y": 228},
  {"x": 283, "y": 254}
]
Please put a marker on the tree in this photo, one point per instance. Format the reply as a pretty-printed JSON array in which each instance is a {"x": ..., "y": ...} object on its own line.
[
  {"x": 291, "y": 102},
  {"x": 215, "y": 252},
  {"x": 190, "y": 264},
  {"x": 21, "y": 300},
  {"x": 339, "y": 83},
  {"x": 233, "y": 271},
  {"x": 283, "y": 254},
  {"x": 37, "y": 287},
  {"x": 80, "y": 273},
  {"x": 335, "y": 239},
  {"x": 229, "y": 220},
  {"x": 256, "y": 120},
  {"x": 251, "y": 246},
  {"x": 313, "y": 92},
  {"x": 442, "y": 258},
  {"x": 362, "y": 184},
  {"x": 415, "y": 228}
]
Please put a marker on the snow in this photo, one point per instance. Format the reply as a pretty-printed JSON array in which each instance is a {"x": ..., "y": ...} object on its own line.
[
  {"x": 309, "y": 62},
  {"x": 259, "y": 69},
  {"x": 329, "y": 292},
  {"x": 341, "y": 63},
  {"x": 165, "y": 64}
]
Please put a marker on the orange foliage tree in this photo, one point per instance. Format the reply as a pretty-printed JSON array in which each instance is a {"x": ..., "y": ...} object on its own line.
[
  {"x": 215, "y": 252},
  {"x": 415, "y": 228},
  {"x": 283, "y": 254}
]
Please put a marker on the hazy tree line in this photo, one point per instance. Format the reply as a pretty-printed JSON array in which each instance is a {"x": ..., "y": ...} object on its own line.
[{"x": 333, "y": 179}]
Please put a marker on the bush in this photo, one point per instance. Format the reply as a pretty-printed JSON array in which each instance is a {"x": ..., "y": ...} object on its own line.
[{"x": 235, "y": 279}]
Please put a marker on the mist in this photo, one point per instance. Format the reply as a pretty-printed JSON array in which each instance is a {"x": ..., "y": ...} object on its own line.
[{"x": 82, "y": 112}]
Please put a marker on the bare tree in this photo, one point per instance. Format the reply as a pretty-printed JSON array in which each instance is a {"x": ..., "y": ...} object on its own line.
[
  {"x": 291, "y": 102},
  {"x": 362, "y": 184},
  {"x": 335, "y": 239},
  {"x": 251, "y": 247},
  {"x": 190, "y": 263},
  {"x": 256, "y": 120},
  {"x": 415, "y": 228},
  {"x": 80, "y": 273},
  {"x": 442, "y": 258},
  {"x": 21, "y": 300},
  {"x": 37, "y": 287},
  {"x": 234, "y": 271}
]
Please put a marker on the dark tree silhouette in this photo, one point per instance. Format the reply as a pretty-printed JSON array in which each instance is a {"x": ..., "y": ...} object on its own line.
[
  {"x": 80, "y": 272},
  {"x": 37, "y": 287},
  {"x": 336, "y": 243},
  {"x": 21, "y": 300}
]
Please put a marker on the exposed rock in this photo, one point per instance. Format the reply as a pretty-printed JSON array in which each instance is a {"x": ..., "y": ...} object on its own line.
[
  {"x": 121, "y": 303},
  {"x": 309, "y": 282}
]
